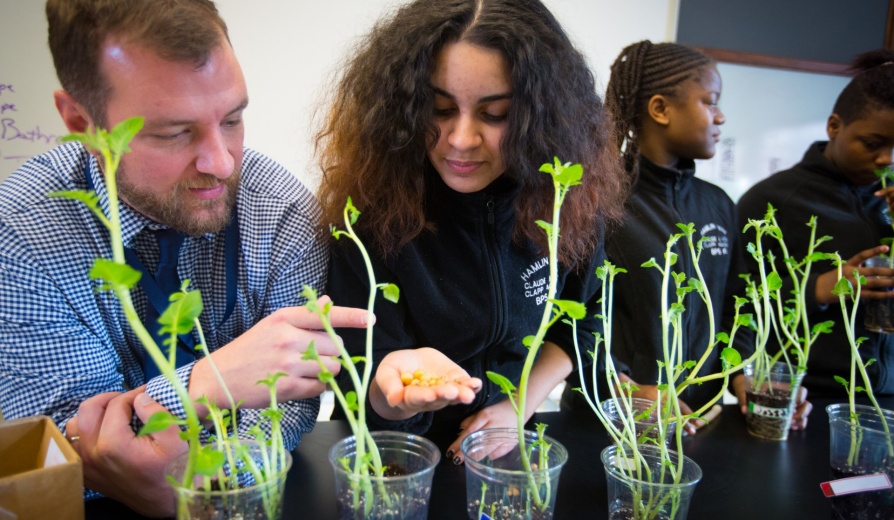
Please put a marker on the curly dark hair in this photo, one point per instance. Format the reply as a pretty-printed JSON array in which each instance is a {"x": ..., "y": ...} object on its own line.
[
  {"x": 871, "y": 89},
  {"x": 374, "y": 138},
  {"x": 642, "y": 70}
]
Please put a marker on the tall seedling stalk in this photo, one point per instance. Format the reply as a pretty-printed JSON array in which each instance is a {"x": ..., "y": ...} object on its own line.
[
  {"x": 789, "y": 320},
  {"x": 845, "y": 291},
  {"x": 367, "y": 458},
  {"x": 677, "y": 373},
  {"x": 179, "y": 318},
  {"x": 564, "y": 177}
]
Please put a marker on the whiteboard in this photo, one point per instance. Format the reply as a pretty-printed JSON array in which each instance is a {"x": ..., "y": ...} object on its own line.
[{"x": 289, "y": 50}]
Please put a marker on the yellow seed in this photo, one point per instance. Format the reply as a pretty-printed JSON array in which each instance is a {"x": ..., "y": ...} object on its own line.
[{"x": 406, "y": 378}]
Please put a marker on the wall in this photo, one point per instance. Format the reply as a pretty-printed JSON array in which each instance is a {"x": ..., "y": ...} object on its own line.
[{"x": 289, "y": 50}]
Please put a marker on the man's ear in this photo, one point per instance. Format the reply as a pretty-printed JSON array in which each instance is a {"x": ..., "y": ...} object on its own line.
[
  {"x": 74, "y": 116},
  {"x": 657, "y": 109},
  {"x": 833, "y": 126}
]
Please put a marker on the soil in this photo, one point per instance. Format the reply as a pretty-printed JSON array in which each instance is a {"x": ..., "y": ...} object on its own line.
[
  {"x": 408, "y": 508},
  {"x": 871, "y": 505},
  {"x": 515, "y": 510},
  {"x": 626, "y": 513},
  {"x": 769, "y": 427},
  {"x": 879, "y": 316}
]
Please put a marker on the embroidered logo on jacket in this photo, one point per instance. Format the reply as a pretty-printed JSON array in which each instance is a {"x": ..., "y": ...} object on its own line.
[
  {"x": 536, "y": 281},
  {"x": 716, "y": 239}
]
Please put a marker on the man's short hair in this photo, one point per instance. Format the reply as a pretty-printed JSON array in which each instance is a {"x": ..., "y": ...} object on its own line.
[{"x": 177, "y": 30}]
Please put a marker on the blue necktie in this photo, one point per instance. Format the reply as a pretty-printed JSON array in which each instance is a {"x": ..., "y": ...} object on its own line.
[{"x": 168, "y": 282}]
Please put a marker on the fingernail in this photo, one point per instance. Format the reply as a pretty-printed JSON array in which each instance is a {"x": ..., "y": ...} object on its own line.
[
  {"x": 457, "y": 461},
  {"x": 449, "y": 454},
  {"x": 143, "y": 399}
]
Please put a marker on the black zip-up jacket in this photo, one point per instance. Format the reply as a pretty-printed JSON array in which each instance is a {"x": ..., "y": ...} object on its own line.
[
  {"x": 661, "y": 198},
  {"x": 466, "y": 290},
  {"x": 856, "y": 220}
]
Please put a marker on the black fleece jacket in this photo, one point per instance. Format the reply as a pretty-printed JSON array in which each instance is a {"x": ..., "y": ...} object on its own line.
[
  {"x": 466, "y": 290},
  {"x": 661, "y": 198},
  {"x": 856, "y": 220}
]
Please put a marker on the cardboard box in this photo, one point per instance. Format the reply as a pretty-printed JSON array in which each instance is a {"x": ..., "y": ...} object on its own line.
[{"x": 41, "y": 475}]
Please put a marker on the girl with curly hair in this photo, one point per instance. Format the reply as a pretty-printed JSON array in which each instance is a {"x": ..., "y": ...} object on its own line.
[{"x": 436, "y": 130}]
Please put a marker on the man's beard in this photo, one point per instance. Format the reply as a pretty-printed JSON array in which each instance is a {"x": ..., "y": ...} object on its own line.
[{"x": 169, "y": 209}]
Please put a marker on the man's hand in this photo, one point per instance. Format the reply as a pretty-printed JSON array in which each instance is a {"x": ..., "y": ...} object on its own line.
[
  {"x": 119, "y": 464},
  {"x": 392, "y": 400},
  {"x": 275, "y": 344}
]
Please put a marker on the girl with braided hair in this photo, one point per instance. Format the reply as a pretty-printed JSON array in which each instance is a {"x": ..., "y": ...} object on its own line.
[
  {"x": 437, "y": 129},
  {"x": 836, "y": 181},
  {"x": 663, "y": 97}
]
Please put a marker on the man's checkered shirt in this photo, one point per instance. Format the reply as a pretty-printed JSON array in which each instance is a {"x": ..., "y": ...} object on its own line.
[{"x": 62, "y": 341}]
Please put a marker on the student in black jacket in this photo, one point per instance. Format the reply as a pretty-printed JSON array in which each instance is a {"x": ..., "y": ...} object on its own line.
[
  {"x": 437, "y": 130},
  {"x": 665, "y": 98},
  {"x": 835, "y": 181}
]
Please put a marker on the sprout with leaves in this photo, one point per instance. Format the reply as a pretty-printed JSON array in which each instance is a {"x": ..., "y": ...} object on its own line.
[
  {"x": 786, "y": 316},
  {"x": 366, "y": 459},
  {"x": 210, "y": 461},
  {"x": 676, "y": 373},
  {"x": 845, "y": 291},
  {"x": 564, "y": 177}
]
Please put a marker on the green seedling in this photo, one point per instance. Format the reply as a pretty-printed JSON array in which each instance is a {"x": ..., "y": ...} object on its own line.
[
  {"x": 181, "y": 316},
  {"x": 564, "y": 177},
  {"x": 676, "y": 372},
  {"x": 846, "y": 291},
  {"x": 367, "y": 458},
  {"x": 786, "y": 318}
]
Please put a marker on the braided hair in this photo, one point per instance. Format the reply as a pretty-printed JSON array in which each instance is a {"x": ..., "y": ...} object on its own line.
[
  {"x": 642, "y": 70},
  {"x": 871, "y": 89}
]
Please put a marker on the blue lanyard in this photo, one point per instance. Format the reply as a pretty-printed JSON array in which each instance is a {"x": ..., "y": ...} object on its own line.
[{"x": 159, "y": 300}]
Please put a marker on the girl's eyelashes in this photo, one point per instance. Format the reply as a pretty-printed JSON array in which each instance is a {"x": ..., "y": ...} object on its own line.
[
  {"x": 494, "y": 118},
  {"x": 485, "y": 116}
]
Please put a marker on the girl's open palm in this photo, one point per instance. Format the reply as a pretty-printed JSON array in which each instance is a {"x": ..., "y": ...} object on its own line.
[{"x": 450, "y": 384}]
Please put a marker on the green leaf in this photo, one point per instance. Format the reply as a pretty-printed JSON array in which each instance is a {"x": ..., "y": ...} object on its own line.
[
  {"x": 570, "y": 175},
  {"x": 391, "y": 292},
  {"x": 123, "y": 133},
  {"x": 158, "y": 422},
  {"x": 528, "y": 341},
  {"x": 843, "y": 287},
  {"x": 310, "y": 353},
  {"x": 575, "y": 310},
  {"x": 179, "y": 317},
  {"x": 546, "y": 226},
  {"x": 88, "y": 197},
  {"x": 351, "y": 400},
  {"x": 208, "y": 461},
  {"x": 114, "y": 274},
  {"x": 505, "y": 384},
  {"x": 353, "y": 212},
  {"x": 731, "y": 356},
  {"x": 822, "y": 328},
  {"x": 774, "y": 281},
  {"x": 722, "y": 337},
  {"x": 841, "y": 380}
]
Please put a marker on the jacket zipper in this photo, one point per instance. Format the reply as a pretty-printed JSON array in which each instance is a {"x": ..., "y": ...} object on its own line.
[{"x": 497, "y": 288}]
